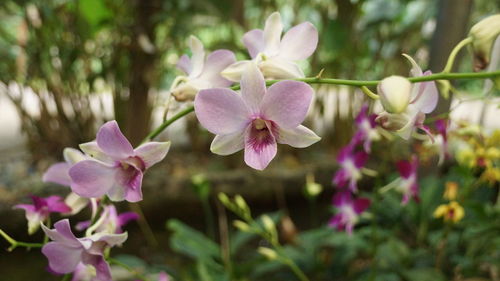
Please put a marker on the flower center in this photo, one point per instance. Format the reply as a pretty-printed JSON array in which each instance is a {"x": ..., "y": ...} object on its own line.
[{"x": 259, "y": 124}]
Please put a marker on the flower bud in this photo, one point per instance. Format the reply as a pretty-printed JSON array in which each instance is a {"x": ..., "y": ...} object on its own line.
[
  {"x": 483, "y": 35},
  {"x": 395, "y": 93},
  {"x": 268, "y": 253}
]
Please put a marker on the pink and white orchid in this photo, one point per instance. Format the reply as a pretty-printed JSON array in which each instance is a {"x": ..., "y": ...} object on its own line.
[
  {"x": 202, "y": 72},
  {"x": 407, "y": 183},
  {"x": 367, "y": 129},
  {"x": 257, "y": 119},
  {"x": 115, "y": 167},
  {"x": 66, "y": 252},
  {"x": 41, "y": 210},
  {"x": 422, "y": 100},
  {"x": 109, "y": 222},
  {"x": 350, "y": 167},
  {"x": 349, "y": 210},
  {"x": 275, "y": 56}
]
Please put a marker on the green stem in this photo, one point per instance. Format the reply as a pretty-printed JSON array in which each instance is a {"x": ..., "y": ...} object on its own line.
[
  {"x": 356, "y": 83},
  {"x": 296, "y": 270},
  {"x": 454, "y": 52},
  {"x": 66, "y": 277},
  {"x": 128, "y": 268},
  {"x": 14, "y": 244}
]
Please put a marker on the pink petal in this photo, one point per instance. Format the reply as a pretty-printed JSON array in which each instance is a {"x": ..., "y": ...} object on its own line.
[
  {"x": 110, "y": 239},
  {"x": 278, "y": 68},
  {"x": 254, "y": 41},
  {"x": 134, "y": 191},
  {"x": 55, "y": 204},
  {"x": 103, "y": 272},
  {"x": 152, "y": 152},
  {"x": 299, "y": 42},
  {"x": 286, "y": 103},
  {"x": 228, "y": 144},
  {"x": 184, "y": 64},
  {"x": 221, "y": 111},
  {"x": 58, "y": 173},
  {"x": 26, "y": 207},
  {"x": 428, "y": 99},
  {"x": 112, "y": 142},
  {"x": 272, "y": 33},
  {"x": 126, "y": 217},
  {"x": 62, "y": 258},
  {"x": 91, "y": 179},
  {"x": 163, "y": 276},
  {"x": 404, "y": 168},
  {"x": 259, "y": 150},
  {"x": 216, "y": 62},
  {"x": 253, "y": 87},
  {"x": 299, "y": 137},
  {"x": 64, "y": 229},
  {"x": 342, "y": 198},
  {"x": 361, "y": 204}
]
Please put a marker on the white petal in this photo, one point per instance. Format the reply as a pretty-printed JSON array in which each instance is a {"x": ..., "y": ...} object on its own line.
[
  {"x": 299, "y": 137},
  {"x": 235, "y": 70},
  {"x": 272, "y": 34},
  {"x": 228, "y": 144},
  {"x": 277, "y": 68},
  {"x": 198, "y": 57}
]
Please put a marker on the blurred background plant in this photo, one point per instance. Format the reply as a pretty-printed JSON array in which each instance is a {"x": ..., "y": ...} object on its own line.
[{"x": 68, "y": 65}]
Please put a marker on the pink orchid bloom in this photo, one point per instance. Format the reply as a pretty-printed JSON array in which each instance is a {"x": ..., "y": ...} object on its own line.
[
  {"x": 350, "y": 167},
  {"x": 41, "y": 210},
  {"x": 115, "y": 168},
  {"x": 66, "y": 252},
  {"x": 423, "y": 100},
  {"x": 349, "y": 210},
  {"x": 202, "y": 71},
  {"x": 275, "y": 56},
  {"x": 110, "y": 221},
  {"x": 407, "y": 184},
  {"x": 367, "y": 129},
  {"x": 257, "y": 119}
]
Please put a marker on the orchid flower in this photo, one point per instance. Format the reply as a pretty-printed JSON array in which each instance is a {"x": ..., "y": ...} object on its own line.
[
  {"x": 275, "y": 56},
  {"x": 422, "y": 100},
  {"x": 66, "y": 252},
  {"x": 41, "y": 210},
  {"x": 201, "y": 72},
  {"x": 349, "y": 210},
  {"x": 367, "y": 129},
  {"x": 350, "y": 167},
  {"x": 115, "y": 168},
  {"x": 110, "y": 221},
  {"x": 407, "y": 183},
  {"x": 257, "y": 119},
  {"x": 84, "y": 272},
  {"x": 59, "y": 173}
]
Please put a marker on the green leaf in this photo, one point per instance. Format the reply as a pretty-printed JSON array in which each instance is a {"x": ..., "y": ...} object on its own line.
[
  {"x": 192, "y": 243},
  {"x": 95, "y": 12}
]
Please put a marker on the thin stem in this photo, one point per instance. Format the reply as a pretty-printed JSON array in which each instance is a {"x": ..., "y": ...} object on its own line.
[
  {"x": 66, "y": 277},
  {"x": 357, "y": 83},
  {"x": 454, "y": 52},
  {"x": 128, "y": 268},
  {"x": 369, "y": 93},
  {"x": 298, "y": 272},
  {"x": 144, "y": 225},
  {"x": 14, "y": 244}
]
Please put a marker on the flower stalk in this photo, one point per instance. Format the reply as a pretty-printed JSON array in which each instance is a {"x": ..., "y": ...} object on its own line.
[{"x": 14, "y": 243}]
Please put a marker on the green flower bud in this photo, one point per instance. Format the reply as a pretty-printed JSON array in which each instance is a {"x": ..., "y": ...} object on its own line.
[
  {"x": 394, "y": 92},
  {"x": 483, "y": 35}
]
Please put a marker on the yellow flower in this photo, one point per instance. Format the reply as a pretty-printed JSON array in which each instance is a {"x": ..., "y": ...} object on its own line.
[
  {"x": 450, "y": 192},
  {"x": 491, "y": 175},
  {"x": 450, "y": 212}
]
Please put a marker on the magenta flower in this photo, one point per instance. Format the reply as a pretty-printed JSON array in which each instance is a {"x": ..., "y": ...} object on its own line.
[
  {"x": 41, "y": 210},
  {"x": 367, "y": 129},
  {"x": 110, "y": 221},
  {"x": 116, "y": 169},
  {"x": 350, "y": 167},
  {"x": 66, "y": 252},
  {"x": 275, "y": 56},
  {"x": 407, "y": 184},
  {"x": 349, "y": 210},
  {"x": 257, "y": 119},
  {"x": 423, "y": 100},
  {"x": 442, "y": 128},
  {"x": 202, "y": 72}
]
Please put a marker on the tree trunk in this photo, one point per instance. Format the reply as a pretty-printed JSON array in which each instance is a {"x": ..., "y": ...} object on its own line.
[{"x": 451, "y": 27}]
